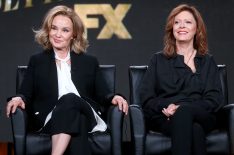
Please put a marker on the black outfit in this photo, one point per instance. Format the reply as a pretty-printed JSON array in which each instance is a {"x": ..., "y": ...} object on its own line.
[
  {"x": 170, "y": 80},
  {"x": 72, "y": 114}
]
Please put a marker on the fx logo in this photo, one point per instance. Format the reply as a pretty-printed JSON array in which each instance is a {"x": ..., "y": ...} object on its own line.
[{"x": 113, "y": 17}]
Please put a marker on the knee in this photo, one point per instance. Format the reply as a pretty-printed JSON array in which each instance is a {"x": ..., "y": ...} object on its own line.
[
  {"x": 69, "y": 96},
  {"x": 68, "y": 100},
  {"x": 183, "y": 111}
]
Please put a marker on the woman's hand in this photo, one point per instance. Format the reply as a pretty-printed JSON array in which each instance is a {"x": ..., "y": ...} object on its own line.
[
  {"x": 13, "y": 104},
  {"x": 170, "y": 110},
  {"x": 121, "y": 102}
]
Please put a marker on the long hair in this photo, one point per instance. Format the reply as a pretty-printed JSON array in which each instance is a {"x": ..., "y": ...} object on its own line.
[
  {"x": 78, "y": 44},
  {"x": 200, "y": 38}
]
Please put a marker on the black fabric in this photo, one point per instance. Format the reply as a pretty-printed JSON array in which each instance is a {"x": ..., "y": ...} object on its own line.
[
  {"x": 101, "y": 143},
  {"x": 170, "y": 80},
  {"x": 66, "y": 116},
  {"x": 79, "y": 144},
  {"x": 39, "y": 86},
  {"x": 185, "y": 117},
  {"x": 187, "y": 122},
  {"x": 218, "y": 142}
]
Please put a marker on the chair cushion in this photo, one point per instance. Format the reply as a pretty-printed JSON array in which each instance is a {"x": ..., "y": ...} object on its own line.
[
  {"x": 100, "y": 143},
  {"x": 217, "y": 143},
  {"x": 157, "y": 143},
  {"x": 38, "y": 144}
]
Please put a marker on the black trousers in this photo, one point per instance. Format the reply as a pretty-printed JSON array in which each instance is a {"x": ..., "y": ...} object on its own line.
[
  {"x": 187, "y": 129},
  {"x": 75, "y": 117}
]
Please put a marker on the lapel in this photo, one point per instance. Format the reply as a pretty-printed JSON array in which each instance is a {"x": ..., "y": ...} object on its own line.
[
  {"x": 178, "y": 61},
  {"x": 75, "y": 69},
  {"x": 198, "y": 60},
  {"x": 180, "y": 68},
  {"x": 52, "y": 73}
]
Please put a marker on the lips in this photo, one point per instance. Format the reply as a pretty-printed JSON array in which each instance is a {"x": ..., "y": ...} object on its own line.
[
  {"x": 182, "y": 32},
  {"x": 57, "y": 41}
]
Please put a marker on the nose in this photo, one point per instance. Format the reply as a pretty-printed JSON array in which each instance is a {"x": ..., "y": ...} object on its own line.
[
  {"x": 58, "y": 33},
  {"x": 182, "y": 25}
]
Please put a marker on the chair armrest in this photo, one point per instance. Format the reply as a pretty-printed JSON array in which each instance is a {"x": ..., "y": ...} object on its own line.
[
  {"x": 138, "y": 129},
  {"x": 115, "y": 124},
  {"x": 19, "y": 123},
  {"x": 229, "y": 111}
]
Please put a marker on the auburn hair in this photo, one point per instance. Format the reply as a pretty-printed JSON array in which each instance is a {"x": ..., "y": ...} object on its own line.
[{"x": 200, "y": 38}]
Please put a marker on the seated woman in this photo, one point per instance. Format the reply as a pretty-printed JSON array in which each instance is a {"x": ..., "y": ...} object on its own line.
[
  {"x": 181, "y": 90},
  {"x": 62, "y": 83}
]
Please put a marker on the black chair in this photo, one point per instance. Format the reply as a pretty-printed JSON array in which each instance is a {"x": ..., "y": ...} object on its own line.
[
  {"x": 219, "y": 142},
  {"x": 107, "y": 143}
]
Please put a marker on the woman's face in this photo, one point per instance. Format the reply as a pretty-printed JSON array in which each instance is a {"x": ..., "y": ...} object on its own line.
[
  {"x": 61, "y": 33},
  {"x": 184, "y": 27}
]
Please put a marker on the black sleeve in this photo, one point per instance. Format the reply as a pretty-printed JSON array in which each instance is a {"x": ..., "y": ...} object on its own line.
[
  {"x": 148, "y": 93},
  {"x": 212, "y": 96},
  {"x": 26, "y": 88}
]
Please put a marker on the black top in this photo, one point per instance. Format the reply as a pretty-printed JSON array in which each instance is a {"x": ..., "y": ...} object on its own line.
[
  {"x": 39, "y": 88},
  {"x": 170, "y": 80}
]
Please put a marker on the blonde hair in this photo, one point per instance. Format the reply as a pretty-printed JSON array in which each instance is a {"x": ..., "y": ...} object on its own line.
[
  {"x": 78, "y": 44},
  {"x": 200, "y": 41}
]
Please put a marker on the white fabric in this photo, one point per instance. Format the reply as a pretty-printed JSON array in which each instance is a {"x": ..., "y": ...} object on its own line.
[{"x": 65, "y": 86}]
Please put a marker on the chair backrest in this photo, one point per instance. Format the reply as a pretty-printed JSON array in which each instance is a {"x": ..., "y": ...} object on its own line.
[
  {"x": 136, "y": 74},
  {"x": 108, "y": 72},
  {"x": 21, "y": 70},
  {"x": 223, "y": 79}
]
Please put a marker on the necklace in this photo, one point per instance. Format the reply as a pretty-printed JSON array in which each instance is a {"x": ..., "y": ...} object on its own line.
[{"x": 189, "y": 58}]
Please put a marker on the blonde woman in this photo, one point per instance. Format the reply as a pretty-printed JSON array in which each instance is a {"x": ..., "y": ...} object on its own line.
[{"x": 62, "y": 83}]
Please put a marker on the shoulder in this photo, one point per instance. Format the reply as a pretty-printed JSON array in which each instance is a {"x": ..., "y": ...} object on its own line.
[
  {"x": 41, "y": 56},
  {"x": 208, "y": 58},
  {"x": 158, "y": 56},
  {"x": 83, "y": 58}
]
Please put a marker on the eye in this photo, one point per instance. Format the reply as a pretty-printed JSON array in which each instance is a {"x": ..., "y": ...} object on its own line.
[
  {"x": 177, "y": 22},
  {"x": 65, "y": 30},
  {"x": 188, "y": 22},
  {"x": 53, "y": 27}
]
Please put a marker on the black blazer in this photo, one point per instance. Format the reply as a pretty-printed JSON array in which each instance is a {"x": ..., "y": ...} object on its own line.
[
  {"x": 170, "y": 80},
  {"x": 39, "y": 88}
]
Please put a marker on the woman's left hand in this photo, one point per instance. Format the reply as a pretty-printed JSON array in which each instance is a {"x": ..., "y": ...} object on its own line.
[
  {"x": 121, "y": 102},
  {"x": 170, "y": 110}
]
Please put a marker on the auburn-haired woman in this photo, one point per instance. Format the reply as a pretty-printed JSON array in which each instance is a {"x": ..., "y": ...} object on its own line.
[{"x": 181, "y": 89}]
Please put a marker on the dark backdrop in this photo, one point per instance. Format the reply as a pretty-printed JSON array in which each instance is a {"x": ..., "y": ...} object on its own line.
[{"x": 144, "y": 21}]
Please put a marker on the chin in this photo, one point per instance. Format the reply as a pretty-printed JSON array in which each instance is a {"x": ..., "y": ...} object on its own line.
[
  {"x": 183, "y": 39},
  {"x": 57, "y": 46}
]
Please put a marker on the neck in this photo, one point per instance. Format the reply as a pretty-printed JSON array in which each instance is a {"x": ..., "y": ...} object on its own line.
[
  {"x": 184, "y": 48},
  {"x": 61, "y": 53}
]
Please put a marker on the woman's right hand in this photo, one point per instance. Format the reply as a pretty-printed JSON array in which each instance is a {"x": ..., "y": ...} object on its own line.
[
  {"x": 170, "y": 110},
  {"x": 13, "y": 104}
]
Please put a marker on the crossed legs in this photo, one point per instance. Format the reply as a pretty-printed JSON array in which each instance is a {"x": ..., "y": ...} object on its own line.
[
  {"x": 60, "y": 143},
  {"x": 69, "y": 125}
]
